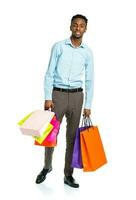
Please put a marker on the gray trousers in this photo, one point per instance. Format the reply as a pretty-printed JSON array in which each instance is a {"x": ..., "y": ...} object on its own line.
[{"x": 70, "y": 105}]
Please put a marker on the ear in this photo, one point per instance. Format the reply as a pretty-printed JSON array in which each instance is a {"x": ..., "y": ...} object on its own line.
[
  {"x": 70, "y": 28},
  {"x": 86, "y": 29}
]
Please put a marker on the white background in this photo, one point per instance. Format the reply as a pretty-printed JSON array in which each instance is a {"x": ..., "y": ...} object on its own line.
[{"x": 28, "y": 29}]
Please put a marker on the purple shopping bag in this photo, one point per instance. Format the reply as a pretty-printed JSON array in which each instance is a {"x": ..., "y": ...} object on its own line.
[{"x": 77, "y": 159}]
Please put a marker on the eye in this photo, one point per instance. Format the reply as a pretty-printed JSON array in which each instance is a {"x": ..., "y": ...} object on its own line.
[
  {"x": 82, "y": 26},
  {"x": 74, "y": 25}
]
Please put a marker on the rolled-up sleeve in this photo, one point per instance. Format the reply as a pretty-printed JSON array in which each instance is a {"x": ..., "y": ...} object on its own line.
[{"x": 89, "y": 80}]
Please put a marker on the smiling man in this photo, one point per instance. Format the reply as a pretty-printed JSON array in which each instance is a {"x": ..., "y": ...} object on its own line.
[{"x": 70, "y": 60}]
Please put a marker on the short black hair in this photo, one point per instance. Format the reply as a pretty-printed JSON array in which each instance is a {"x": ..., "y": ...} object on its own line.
[{"x": 79, "y": 16}]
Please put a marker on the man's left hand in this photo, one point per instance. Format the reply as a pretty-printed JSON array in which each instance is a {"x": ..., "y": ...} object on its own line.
[{"x": 86, "y": 112}]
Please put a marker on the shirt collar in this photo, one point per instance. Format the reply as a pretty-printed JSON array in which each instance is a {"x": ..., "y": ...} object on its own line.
[{"x": 68, "y": 41}]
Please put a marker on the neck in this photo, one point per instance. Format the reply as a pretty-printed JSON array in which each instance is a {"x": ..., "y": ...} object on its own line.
[{"x": 76, "y": 41}]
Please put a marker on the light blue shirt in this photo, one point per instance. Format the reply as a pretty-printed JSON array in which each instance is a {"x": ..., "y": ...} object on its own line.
[{"x": 68, "y": 68}]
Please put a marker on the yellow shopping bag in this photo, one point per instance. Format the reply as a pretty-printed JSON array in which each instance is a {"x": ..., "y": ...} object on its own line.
[{"x": 40, "y": 139}]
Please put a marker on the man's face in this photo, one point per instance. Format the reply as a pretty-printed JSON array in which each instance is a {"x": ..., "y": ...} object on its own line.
[{"x": 78, "y": 27}]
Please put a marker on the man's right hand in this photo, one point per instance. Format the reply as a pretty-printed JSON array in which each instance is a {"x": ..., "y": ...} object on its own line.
[{"x": 48, "y": 104}]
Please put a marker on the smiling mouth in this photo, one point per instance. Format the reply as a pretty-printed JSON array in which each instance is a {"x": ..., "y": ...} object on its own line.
[{"x": 78, "y": 33}]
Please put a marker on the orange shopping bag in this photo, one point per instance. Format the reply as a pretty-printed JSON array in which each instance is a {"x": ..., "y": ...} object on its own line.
[{"x": 93, "y": 155}]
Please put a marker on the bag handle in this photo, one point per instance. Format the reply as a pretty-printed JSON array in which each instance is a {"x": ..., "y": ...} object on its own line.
[
  {"x": 86, "y": 121},
  {"x": 90, "y": 121}
]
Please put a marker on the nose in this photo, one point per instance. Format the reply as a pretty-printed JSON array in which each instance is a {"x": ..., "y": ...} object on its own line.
[{"x": 77, "y": 28}]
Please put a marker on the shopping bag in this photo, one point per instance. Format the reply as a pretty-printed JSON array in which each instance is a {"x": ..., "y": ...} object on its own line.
[
  {"x": 92, "y": 150},
  {"x": 48, "y": 133},
  {"x": 52, "y": 136},
  {"x": 21, "y": 122},
  {"x": 51, "y": 139},
  {"x": 77, "y": 157},
  {"x": 36, "y": 122}
]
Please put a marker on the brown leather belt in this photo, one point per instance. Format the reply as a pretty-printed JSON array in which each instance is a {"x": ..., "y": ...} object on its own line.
[{"x": 68, "y": 90}]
